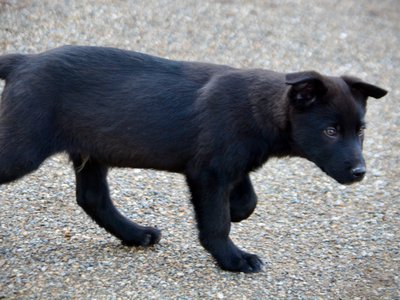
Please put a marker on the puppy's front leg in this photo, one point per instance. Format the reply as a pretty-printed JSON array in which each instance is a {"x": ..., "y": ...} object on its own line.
[
  {"x": 210, "y": 197},
  {"x": 242, "y": 200}
]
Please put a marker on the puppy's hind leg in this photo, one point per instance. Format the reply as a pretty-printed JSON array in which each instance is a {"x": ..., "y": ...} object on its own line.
[
  {"x": 19, "y": 156},
  {"x": 93, "y": 196},
  {"x": 27, "y": 134}
]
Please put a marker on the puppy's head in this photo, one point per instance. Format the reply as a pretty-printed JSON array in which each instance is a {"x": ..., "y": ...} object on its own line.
[{"x": 327, "y": 121}]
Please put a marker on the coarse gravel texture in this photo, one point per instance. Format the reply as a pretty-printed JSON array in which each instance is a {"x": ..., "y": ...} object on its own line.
[{"x": 316, "y": 237}]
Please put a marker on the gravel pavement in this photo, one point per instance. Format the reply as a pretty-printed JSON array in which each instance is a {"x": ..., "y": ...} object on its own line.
[{"x": 317, "y": 238}]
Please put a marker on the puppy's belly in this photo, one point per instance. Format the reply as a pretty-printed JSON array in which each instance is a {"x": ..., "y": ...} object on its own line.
[
  {"x": 133, "y": 159},
  {"x": 172, "y": 157}
]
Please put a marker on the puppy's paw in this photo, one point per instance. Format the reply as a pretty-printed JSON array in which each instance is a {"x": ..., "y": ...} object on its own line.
[
  {"x": 147, "y": 236},
  {"x": 243, "y": 262},
  {"x": 253, "y": 263}
]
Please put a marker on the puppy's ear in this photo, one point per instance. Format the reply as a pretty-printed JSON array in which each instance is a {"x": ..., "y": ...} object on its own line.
[
  {"x": 306, "y": 88},
  {"x": 367, "y": 89}
]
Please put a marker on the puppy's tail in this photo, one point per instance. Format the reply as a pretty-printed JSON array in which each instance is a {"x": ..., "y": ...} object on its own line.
[{"x": 8, "y": 63}]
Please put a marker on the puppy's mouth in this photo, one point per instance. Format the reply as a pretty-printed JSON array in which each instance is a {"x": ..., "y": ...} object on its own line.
[{"x": 344, "y": 180}]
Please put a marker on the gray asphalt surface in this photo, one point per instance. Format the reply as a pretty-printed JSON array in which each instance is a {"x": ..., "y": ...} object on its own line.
[{"x": 317, "y": 238}]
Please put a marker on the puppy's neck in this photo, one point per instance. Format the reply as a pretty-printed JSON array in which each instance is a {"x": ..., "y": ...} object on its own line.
[{"x": 268, "y": 97}]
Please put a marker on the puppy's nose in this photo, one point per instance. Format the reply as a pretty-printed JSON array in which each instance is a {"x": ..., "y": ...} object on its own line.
[{"x": 358, "y": 172}]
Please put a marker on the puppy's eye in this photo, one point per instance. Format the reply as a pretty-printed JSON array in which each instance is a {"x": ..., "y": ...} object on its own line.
[
  {"x": 361, "y": 130},
  {"x": 331, "y": 132}
]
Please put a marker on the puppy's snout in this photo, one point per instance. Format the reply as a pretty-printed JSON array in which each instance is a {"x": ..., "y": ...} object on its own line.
[{"x": 358, "y": 172}]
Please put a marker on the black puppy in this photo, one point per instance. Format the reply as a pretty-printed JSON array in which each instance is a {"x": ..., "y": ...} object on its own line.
[{"x": 112, "y": 108}]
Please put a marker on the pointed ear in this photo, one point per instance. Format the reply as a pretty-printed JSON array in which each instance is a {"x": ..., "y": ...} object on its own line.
[
  {"x": 367, "y": 89},
  {"x": 306, "y": 88}
]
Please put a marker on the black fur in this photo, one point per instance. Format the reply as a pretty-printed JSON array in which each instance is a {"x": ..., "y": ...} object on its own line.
[{"x": 112, "y": 108}]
